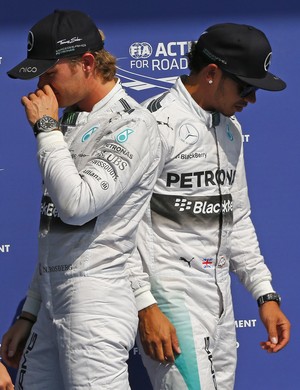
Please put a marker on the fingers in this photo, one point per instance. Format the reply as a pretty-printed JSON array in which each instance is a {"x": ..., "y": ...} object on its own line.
[
  {"x": 275, "y": 344},
  {"x": 175, "y": 343},
  {"x": 40, "y": 103},
  {"x": 48, "y": 90},
  {"x": 157, "y": 349},
  {"x": 164, "y": 349},
  {"x": 167, "y": 351},
  {"x": 8, "y": 352},
  {"x": 268, "y": 346},
  {"x": 277, "y": 325},
  {"x": 4, "y": 348},
  {"x": 158, "y": 335}
]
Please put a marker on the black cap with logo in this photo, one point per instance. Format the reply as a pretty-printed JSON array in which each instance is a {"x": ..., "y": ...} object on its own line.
[
  {"x": 61, "y": 34},
  {"x": 241, "y": 50}
]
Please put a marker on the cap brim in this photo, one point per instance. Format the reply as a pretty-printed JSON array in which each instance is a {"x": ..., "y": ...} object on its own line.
[
  {"x": 269, "y": 83},
  {"x": 31, "y": 68}
]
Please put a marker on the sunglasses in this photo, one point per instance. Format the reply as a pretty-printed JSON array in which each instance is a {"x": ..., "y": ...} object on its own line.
[{"x": 244, "y": 89}]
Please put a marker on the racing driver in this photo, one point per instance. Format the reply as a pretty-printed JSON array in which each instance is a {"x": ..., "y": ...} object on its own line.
[{"x": 199, "y": 227}]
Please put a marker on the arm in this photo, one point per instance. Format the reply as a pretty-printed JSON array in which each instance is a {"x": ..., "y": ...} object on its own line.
[
  {"x": 248, "y": 263},
  {"x": 5, "y": 379},
  {"x": 14, "y": 340},
  {"x": 157, "y": 334},
  {"x": 113, "y": 165}
]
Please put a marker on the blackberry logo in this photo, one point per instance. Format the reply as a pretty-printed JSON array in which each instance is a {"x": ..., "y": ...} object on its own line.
[
  {"x": 213, "y": 206},
  {"x": 183, "y": 204}
]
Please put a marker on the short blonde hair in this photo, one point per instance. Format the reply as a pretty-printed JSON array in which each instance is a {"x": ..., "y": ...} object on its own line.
[{"x": 105, "y": 62}]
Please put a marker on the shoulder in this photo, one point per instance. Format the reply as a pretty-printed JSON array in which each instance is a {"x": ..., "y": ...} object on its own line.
[{"x": 158, "y": 102}]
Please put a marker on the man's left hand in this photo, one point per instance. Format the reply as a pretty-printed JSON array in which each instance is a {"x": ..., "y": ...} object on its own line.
[{"x": 277, "y": 325}]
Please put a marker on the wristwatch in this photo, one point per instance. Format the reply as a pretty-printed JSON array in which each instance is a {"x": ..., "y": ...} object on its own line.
[
  {"x": 269, "y": 297},
  {"x": 45, "y": 125}
]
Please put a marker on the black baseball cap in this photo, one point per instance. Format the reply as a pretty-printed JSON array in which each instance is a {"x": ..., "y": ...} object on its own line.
[
  {"x": 62, "y": 34},
  {"x": 241, "y": 50}
]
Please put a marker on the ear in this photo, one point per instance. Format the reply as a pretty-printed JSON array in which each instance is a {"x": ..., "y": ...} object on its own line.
[
  {"x": 211, "y": 72},
  {"x": 88, "y": 62}
]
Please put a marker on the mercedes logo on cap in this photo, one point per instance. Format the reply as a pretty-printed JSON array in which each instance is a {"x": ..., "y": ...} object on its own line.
[
  {"x": 30, "y": 41},
  {"x": 267, "y": 61}
]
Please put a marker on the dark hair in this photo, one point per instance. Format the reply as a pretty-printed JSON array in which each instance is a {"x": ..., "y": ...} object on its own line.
[{"x": 196, "y": 60}]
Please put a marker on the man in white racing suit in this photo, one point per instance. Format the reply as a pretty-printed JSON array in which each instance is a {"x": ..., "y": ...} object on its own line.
[
  {"x": 199, "y": 227},
  {"x": 99, "y": 166}
]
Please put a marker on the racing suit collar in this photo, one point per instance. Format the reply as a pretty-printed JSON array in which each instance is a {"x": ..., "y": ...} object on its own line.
[
  {"x": 82, "y": 117},
  {"x": 111, "y": 97},
  {"x": 209, "y": 118}
]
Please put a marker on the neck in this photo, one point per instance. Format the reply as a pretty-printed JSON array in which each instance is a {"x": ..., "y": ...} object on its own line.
[
  {"x": 96, "y": 92},
  {"x": 197, "y": 89}
]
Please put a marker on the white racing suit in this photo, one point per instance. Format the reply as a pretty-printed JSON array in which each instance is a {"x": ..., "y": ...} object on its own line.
[
  {"x": 98, "y": 180},
  {"x": 198, "y": 230}
]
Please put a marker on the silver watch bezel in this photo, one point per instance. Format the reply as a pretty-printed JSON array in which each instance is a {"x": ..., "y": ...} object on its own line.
[{"x": 45, "y": 124}]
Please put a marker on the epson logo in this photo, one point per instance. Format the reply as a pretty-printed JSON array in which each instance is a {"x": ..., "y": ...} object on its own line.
[{"x": 28, "y": 69}]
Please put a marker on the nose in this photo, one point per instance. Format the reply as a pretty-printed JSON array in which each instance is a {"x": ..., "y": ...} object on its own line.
[{"x": 251, "y": 98}]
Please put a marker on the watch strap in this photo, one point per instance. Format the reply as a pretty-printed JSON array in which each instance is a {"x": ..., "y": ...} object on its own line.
[
  {"x": 39, "y": 127},
  {"x": 268, "y": 298},
  {"x": 25, "y": 319}
]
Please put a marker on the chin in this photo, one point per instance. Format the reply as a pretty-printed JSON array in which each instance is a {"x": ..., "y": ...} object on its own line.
[
  {"x": 229, "y": 114},
  {"x": 239, "y": 108}
]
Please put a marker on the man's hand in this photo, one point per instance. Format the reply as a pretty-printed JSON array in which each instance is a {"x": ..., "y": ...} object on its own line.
[
  {"x": 5, "y": 379},
  {"x": 158, "y": 335},
  {"x": 39, "y": 103},
  {"x": 277, "y": 325},
  {"x": 14, "y": 340}
]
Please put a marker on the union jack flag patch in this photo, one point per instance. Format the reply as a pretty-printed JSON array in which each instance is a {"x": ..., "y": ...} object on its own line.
[{"x": 207, "y": 262}]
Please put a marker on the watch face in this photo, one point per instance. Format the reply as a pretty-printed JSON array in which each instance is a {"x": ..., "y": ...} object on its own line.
[{"x": 47, "y": 123}]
